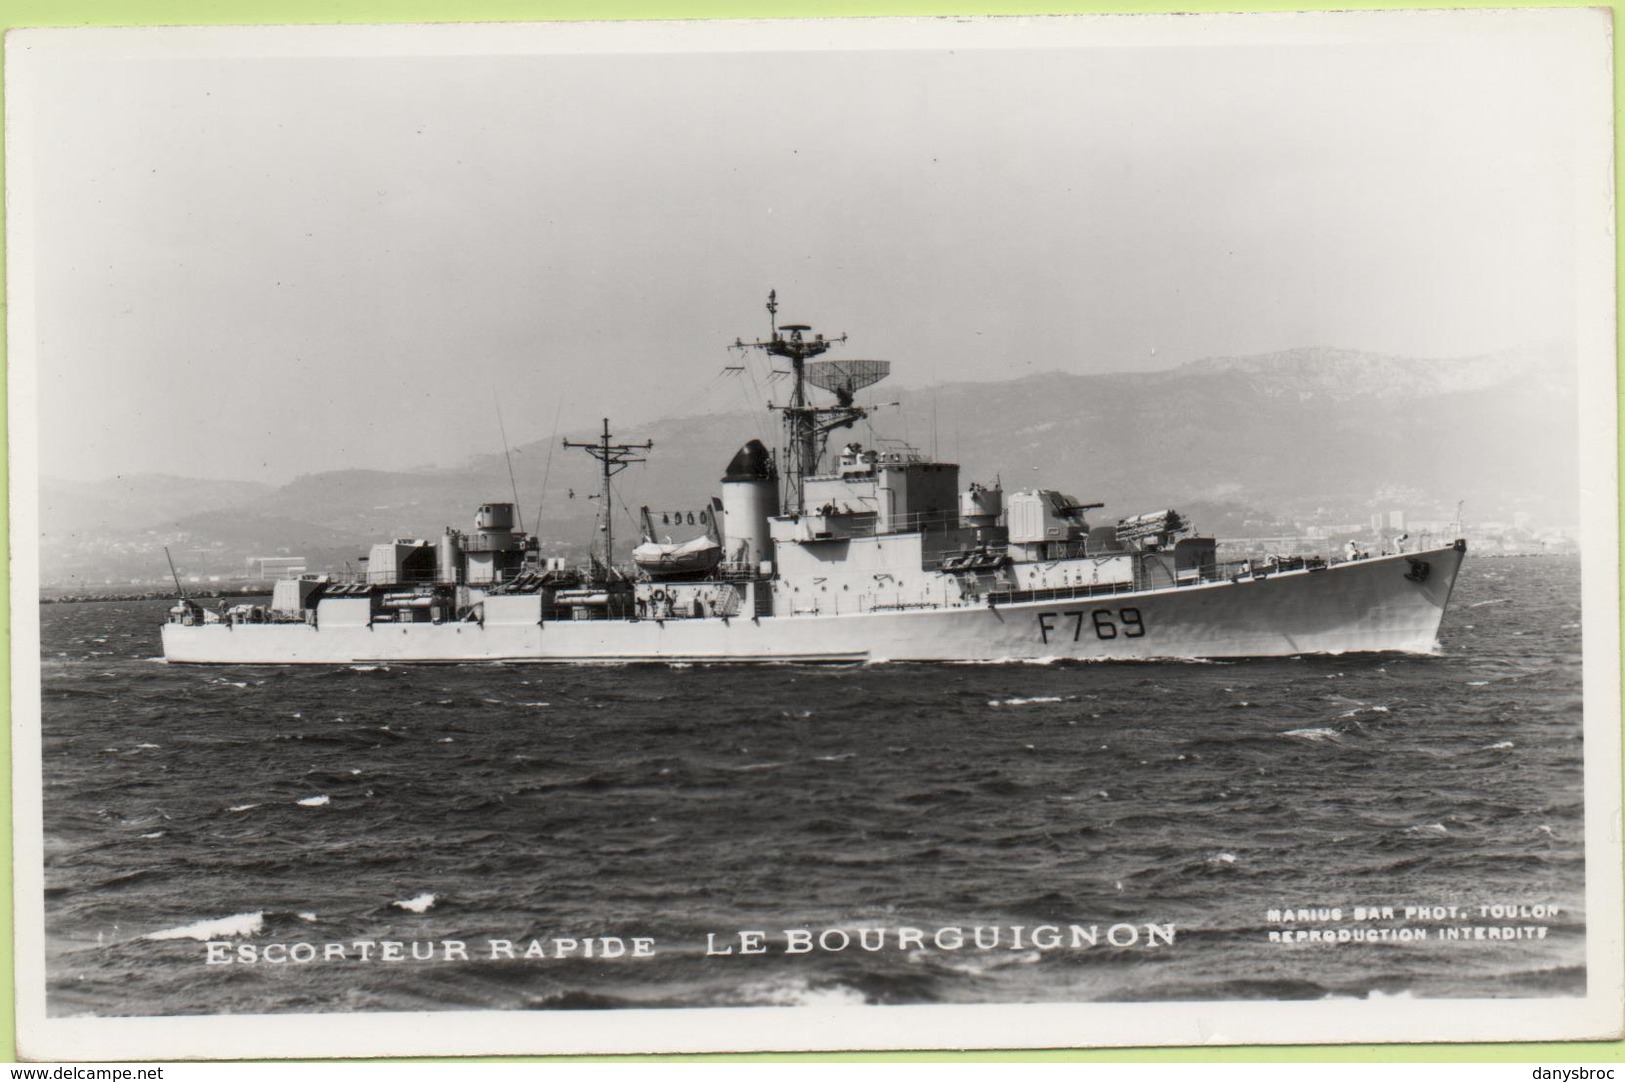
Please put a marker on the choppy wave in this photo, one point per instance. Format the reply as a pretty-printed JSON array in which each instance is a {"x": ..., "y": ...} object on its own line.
[
  {"x": 428, "y": 804},
  {"x": 798, "y": 992},
  {"x": 242, "y": 924},
  {"x": 420, "y": 903}
]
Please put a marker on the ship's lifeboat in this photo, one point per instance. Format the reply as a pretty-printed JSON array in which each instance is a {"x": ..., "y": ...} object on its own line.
[{"x": 696, "y": 557}]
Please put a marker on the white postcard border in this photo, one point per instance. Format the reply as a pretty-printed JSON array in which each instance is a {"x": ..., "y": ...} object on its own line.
[{"x": 1596, "y": 1016}]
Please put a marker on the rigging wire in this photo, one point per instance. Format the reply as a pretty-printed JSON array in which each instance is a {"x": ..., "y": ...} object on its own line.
[
  {"x": 700, "y": 392},
  {"x": 700, "y": 421},
  {"x": 751, "y": 397},
  {"x": 513, "y": 485},
  {"x": 592, "y": 542},
  {"x": 627, "y": 511},
  {"x": 759, "y": 403},
  {"x": 547, "y": 471},
  {"x": 634, "y": 485},
  {"x": 756, "y": 410}
]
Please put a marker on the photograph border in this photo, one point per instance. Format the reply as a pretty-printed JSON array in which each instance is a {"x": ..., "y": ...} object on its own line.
[{"x": 1601, "y": 777}]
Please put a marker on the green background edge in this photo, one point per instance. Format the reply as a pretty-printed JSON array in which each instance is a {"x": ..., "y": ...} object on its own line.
[{"x": 22, "y": 13}]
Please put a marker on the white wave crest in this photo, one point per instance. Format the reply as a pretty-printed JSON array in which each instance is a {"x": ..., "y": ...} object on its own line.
[
  {"x": 798, "y": 993},
  {"x": 314, "y": 801},
  {"x": 243, "y": 924},
  {"x": 1048, "y": 659},
  {"x": 1036, "y": 699},
  {"x": 976, "y": 965},
  {"x": 420, "y": 904}
]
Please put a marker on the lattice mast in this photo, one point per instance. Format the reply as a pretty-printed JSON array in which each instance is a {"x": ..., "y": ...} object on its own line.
[
  {"x": 805, "y": 426},
  {"x": 615, "y": 457}
]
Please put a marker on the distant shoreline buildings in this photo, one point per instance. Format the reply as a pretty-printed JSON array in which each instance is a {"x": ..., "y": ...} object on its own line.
[
  {"x": 271, "y": 568},
  {"x": 1381, "y": 532}
]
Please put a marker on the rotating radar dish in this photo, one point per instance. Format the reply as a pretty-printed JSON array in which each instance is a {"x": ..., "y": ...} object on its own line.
[{"x": 847, "y": 377}]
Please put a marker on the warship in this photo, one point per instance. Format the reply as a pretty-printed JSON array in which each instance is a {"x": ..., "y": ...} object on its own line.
[{"x": 844, "y": 553}]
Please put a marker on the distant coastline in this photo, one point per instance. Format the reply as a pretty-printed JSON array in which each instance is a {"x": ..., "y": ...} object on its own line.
[{"x": 52, "y": 596}]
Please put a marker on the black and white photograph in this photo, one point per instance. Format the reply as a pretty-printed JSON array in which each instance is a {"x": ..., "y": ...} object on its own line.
[{"x": 795, "y": 535}]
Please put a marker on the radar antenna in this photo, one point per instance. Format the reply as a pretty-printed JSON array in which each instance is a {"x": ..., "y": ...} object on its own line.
[
  {"x": 806, "y": 426},
  {"x": 615, "y": 458},
  {"x": 846, "y": 378}
]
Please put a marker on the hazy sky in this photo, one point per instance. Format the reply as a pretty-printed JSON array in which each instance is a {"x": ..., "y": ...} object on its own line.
[{"x": 260, "y": 260}]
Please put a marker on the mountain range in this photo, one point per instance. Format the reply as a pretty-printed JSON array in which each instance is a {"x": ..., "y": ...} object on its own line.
[{"x": 1242, "y": 445}]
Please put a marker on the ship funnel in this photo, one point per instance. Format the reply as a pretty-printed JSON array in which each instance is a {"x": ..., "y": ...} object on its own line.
[
  {"x": 750, "y": 495},
  {"x": 752, "y": 463}
]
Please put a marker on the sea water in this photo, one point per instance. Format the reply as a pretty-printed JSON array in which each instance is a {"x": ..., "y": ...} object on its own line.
[{"x": 367, "y": 838}]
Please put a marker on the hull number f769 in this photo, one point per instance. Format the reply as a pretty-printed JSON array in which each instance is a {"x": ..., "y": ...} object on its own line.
[{"x": 1106, "y": 623}]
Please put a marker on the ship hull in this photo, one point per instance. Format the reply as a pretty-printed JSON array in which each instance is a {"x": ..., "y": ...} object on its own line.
[{"x": 1388, "y": 603}]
